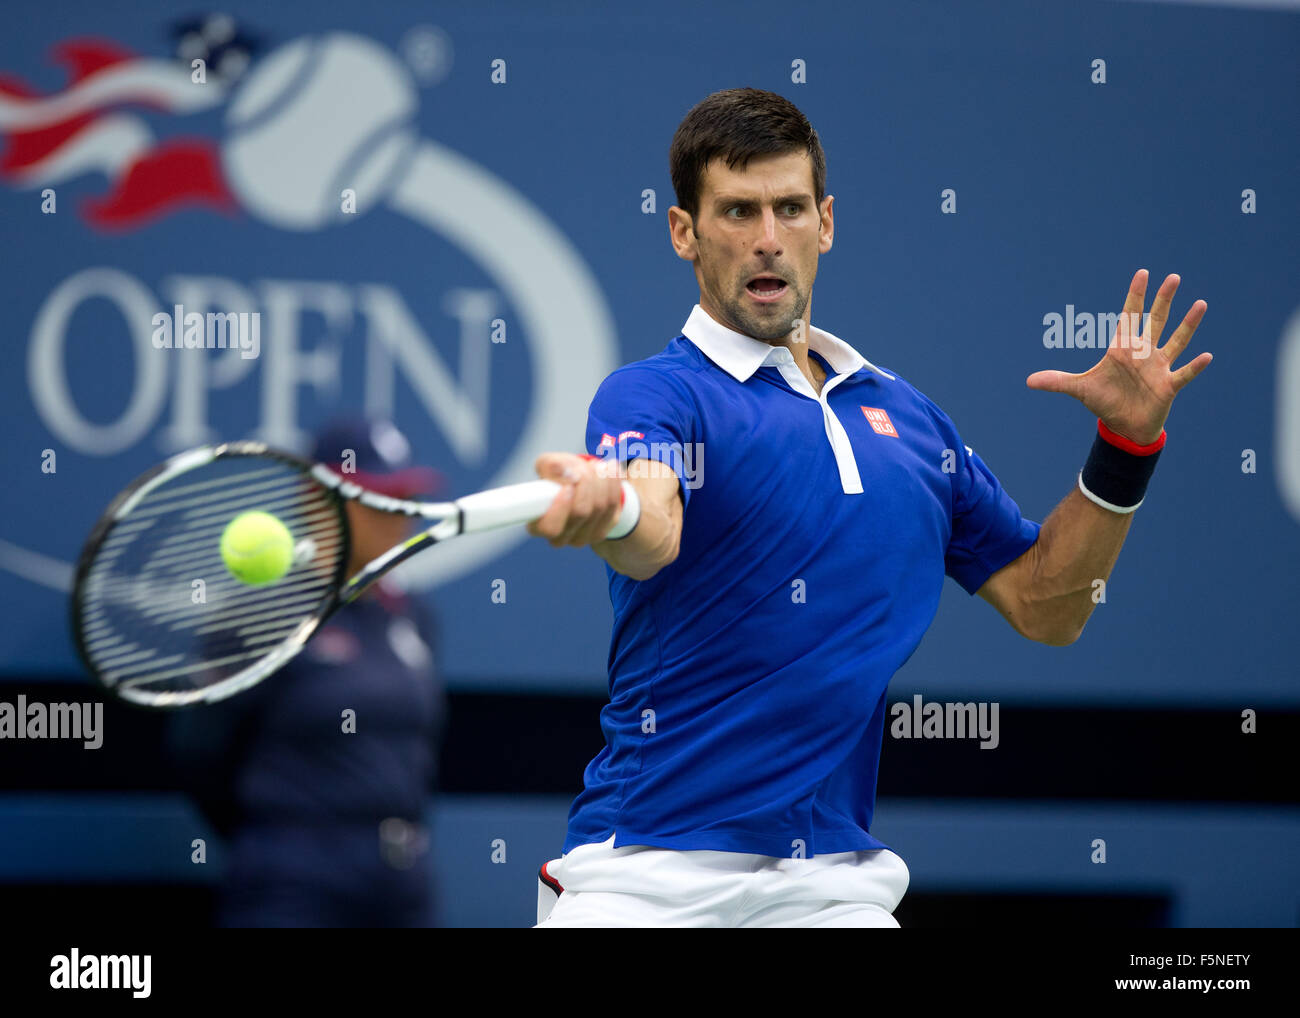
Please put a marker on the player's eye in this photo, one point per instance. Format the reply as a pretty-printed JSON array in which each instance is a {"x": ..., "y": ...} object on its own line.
[{"x": 790, "y": 209}]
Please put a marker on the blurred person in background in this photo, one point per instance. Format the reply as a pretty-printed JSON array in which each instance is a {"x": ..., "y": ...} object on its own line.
[{"x": 319, "y": 778}]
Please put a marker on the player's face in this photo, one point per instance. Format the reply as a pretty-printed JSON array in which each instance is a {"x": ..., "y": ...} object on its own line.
[{"x": 762, "y": 220}]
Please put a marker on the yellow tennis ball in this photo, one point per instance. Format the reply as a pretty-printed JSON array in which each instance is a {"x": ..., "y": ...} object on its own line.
[{"x": 257, "y": 548}]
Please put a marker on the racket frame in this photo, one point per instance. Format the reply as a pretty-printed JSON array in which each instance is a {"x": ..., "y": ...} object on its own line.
[
  {"x": 486, "y": 510},
  {"x": 120, "y": 507}
]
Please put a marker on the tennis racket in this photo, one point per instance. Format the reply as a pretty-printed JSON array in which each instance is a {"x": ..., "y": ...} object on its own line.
[{"x": 160, "y": 621}]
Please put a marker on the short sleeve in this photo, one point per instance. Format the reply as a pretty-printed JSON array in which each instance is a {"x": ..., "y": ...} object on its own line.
[
  {"x": 987, "y": 528},
  {"x": 642, "y": 413}
]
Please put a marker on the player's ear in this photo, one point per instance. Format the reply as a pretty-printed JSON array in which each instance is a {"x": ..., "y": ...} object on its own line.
[
  {"x": 681, "y": 231},
  {"x": 826, "y": 228}
]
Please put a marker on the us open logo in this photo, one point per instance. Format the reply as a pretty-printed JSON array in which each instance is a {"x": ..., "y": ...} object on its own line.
[{"x": 312, "y": 118}]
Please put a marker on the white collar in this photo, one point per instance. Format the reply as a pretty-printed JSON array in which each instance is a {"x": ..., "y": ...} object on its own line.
[{"x": 740, "y": 355}]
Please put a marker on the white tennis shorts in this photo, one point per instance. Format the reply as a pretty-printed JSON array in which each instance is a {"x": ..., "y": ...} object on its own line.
[{"x": 600, "y": 885}]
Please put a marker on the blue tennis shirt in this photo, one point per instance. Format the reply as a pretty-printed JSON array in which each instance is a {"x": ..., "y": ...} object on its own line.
[{"x": 747, "y": 679}]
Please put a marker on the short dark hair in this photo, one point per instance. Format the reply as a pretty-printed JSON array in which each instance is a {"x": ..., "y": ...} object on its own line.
[{"x": 737, "y": 125}]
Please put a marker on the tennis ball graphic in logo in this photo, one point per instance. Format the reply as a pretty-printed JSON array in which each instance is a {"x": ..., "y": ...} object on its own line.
[
  {"x": 314, "y": 117},
  {"x": 257, "y": 548}
]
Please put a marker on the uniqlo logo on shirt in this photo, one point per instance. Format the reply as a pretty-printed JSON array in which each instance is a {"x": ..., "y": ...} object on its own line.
[{"x": 879, "y": 421}]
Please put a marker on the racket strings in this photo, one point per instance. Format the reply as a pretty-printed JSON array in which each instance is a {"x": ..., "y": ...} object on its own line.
[{"x": 159, "y": 611}]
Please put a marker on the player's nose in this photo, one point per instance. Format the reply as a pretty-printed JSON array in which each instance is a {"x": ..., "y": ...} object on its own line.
[{"x": 767, "y": 242}]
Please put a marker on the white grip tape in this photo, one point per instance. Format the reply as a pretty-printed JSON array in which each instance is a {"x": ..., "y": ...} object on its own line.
[{"x": 523, "y": 503}]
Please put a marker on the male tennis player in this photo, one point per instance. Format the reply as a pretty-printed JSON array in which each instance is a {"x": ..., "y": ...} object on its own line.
[{"x": 801, "y": 507}]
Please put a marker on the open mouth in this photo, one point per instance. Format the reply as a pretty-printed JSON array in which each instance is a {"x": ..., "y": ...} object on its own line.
[{"x": 766, "y": 289}]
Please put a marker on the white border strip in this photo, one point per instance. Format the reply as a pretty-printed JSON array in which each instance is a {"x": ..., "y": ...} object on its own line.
[{"x": 1122, "y": 510}]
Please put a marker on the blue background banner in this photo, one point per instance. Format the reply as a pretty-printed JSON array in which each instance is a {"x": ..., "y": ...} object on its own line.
[{"x": 1063, "y": 188}]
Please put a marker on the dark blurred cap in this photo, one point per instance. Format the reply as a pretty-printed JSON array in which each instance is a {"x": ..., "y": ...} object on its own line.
[{"x": 378, "y": 457}]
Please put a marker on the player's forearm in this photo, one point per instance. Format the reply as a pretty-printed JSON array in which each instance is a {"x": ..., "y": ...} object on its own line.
[
  {"x": 654, "y": 543},
  {"x": 590, "y": 501},
  {"x": 1077, "y": 546}
]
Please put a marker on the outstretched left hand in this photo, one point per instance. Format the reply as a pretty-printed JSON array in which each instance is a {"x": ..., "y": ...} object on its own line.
[{"x": 1132, "y": 387}]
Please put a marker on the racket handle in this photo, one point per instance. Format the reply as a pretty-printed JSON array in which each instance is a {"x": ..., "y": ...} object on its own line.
[{"x": 523, "y": 503}]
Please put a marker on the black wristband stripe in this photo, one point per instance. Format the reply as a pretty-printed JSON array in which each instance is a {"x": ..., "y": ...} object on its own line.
[{"x": 1115, "y": 479}]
